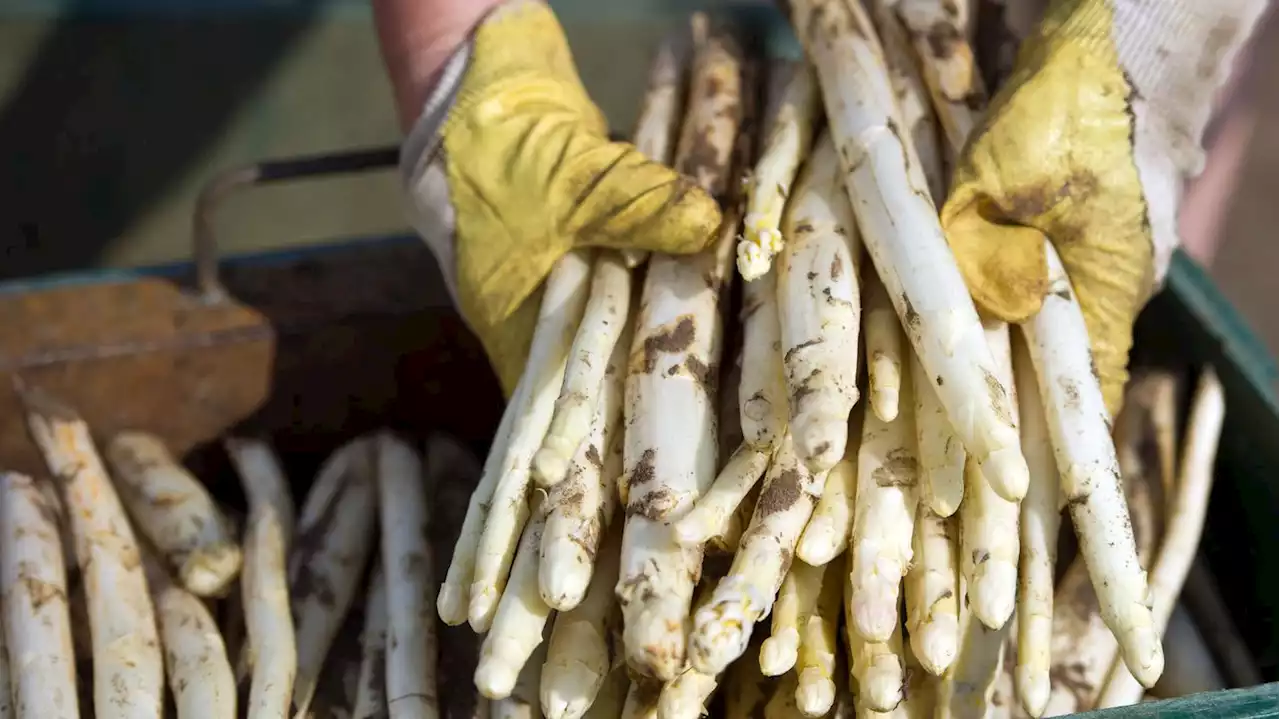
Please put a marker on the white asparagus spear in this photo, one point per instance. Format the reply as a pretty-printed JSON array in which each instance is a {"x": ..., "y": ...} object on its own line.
[
  {"x": 1038, "y": 526},
  {"x": 722, "y": 629},
  {"x": 330, "y": 553},
  {"x": 685, "y": 697},
  {"x": 797, "y": 599},
  {"x": 272, "y": 644},
  {"x": 816, "y": 665},
  {"x": 912, "y": 94},
  {"x": 988, "y": 522},
  {"x": 563, "y": 299},
  {"x": 820, "y": 309},
  {"x": 762, "y": 390},
  {"x": 933, "y": 597},
  {"x": 670, "y": 450},
  {"x": 827, "y": 534},
  {"x": 578, "y": 661},
  {"x": 36, "y": 624},
  {"x": 581, "y": 507},
  {"x": 454, "y": 599},
  {"x": 519, "y": 623},
  {"x": 1082, "y": 647},
  {"x": 523, "y": 701},
  {"x": 946, "y": 59},
  {"x": 901, "y": 231},
  {"x": 1184, "y": 524},
  {"x": 404, "y": 516},
  {"x": 590, "y": 359},
  {"x": 716, "y": 508},
  {"x": 371, "y": 691},
  {"x": 661, "y": 111},
  {"x": 195, "y": 657},
  {"x": 941, "y": 454},
  {"x": 1077, "y": 418},
  {"x": 790, "y": 137},
  {"x": 608, "y": 307},
  {"x": 886, "y": 352},
  {"x": 611, "y": 697},
  {"x": 877, "y": 670},
  {"x": 642, "y": 699},
  {"x": 885, "y": 508},
  {"x": 965, "y": 691},
  {"x": 174, "y": 511},
  {"x": 128, "y": 673}
]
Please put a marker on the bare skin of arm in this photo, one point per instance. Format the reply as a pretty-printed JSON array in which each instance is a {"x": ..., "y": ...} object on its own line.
[{"x": 417, "y": 37}]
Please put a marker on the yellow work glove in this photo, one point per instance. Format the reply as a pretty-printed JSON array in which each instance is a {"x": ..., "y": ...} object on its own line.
[
  {"x": 510, "y": 166},
  {"x": 1088, "y": 143}
]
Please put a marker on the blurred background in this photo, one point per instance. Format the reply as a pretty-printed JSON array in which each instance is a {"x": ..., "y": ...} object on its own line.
[{"x": 114, "y": 112}]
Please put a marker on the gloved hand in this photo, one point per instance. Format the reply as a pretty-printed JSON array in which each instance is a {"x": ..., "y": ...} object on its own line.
[
  {"x": 510, "y": 166},
  {"x": 1089, "y": 143}
]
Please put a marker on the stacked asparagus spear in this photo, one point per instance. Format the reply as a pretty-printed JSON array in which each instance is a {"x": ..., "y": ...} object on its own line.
[{"x": 673, "y": 468}]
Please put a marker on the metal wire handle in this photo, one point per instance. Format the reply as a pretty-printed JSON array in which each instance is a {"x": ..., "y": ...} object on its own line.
[{"x": 215, "y": 191}]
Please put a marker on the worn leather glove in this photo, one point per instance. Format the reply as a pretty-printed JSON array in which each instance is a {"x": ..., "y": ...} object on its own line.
[
  {"x": 510, "y": 166},
  {"x": 1089, "y": 143}
]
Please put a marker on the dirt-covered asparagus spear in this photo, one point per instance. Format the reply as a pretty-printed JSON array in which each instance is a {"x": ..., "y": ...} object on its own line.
[
  {"x": 371, "y": 690},
  {"x": 885, "y": 509},
  {"x": 797, "y": 600},
  {"x": 933, "y": 597},
  {"x": 722, "y": 629},
  {"x": 174, "y": 511},
  {"x": 403, "y": 513},
  {"x": 581, "y": 507},
  {"x": 903, "y": 236},
  {"x": 196, "y": 663},
  {"x": 717, "y": 507},
  {"x": 578, "y": 660},
  {"x": 828, "y": 531},
  {"x": 272, "y": 644},
  {"x": 1038, "y": 524},
  {"x": 989, "y": 522},
  {"x": 1184, "y": 524},
  {"x": 330, "y": 553},
  {"x": 686, "y": 696},
  {"x": 816, "y": 665},
  {"x": 820, "y": 309},
  {"x": 454, "y": 598},
  {"x": 791, "y": 128},
  {"x": 1077, "y": 418},
  {"x": 762, "y": 390},
  {"x": 127, "y": 666},
  {"x": 563, "y": 299},
  {"x": 608, "y": 306},
  {"x": 938, "y": 33},
  {"x": 942, "y": 457},
  {"x": 36, "y": 624},
  {"x": 670, "y": 450},
  {"x": 522, "y": 616}
]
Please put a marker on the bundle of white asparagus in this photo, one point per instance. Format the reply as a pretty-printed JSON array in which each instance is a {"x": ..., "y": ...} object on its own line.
[{"x": 673, "y": 469}]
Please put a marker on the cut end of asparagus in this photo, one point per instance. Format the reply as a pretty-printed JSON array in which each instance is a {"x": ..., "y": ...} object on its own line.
[
  {"x": 820, "y": 440},
  {"x": 1033, "y": 689},
  {"x": 209, "y": 571},
  {"x": 757, "y": 249},
  {"x": 551, "y": 463},
  {"x": 495, "y": 679},
  {"x": 482, "y": 607},
  {"x": 815, "y": 693},
  {"x": 656, "y": 645},
  {"x": 451, "y": 605},
  {"x": 992, "y": 592},
  {"x": 563, "y": 584},
  {"x": 819, "y": 543},
  {"x": 1006, "y": 471},
  {"x": 1143, "y": 653},
  {"x": 935, "y": 643},
  {"x": 778, "y": 652}
]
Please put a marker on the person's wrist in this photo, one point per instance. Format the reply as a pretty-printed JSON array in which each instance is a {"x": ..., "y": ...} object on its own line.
[{"x": 417, "y": 39}]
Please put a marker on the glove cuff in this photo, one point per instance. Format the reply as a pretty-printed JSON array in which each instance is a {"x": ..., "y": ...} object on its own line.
[{"x": 1175, "y": 55}]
